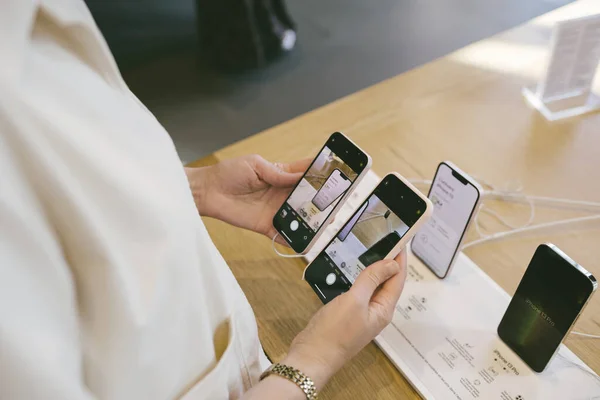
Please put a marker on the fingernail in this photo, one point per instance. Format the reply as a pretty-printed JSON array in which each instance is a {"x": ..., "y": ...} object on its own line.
[{"x": 392, "y": 263}]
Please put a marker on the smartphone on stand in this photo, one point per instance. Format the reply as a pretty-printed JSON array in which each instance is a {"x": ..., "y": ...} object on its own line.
[
  {"x": 379, "y": 229},
  {"x": 455, "y": 197},
  {"x": 550, "y": 297},
  {"x": 332, "y": 176}
]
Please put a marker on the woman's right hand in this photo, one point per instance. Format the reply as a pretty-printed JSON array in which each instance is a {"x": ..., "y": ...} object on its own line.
[{"x": 340, "y": 329}]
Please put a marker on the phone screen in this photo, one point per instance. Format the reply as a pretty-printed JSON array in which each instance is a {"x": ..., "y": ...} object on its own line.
[
  {"x": 550, "y": 296},
  {"x": 368, "y": 236},
  {"x": 327, "y": 180},
  {"x": 350, "y": 224},
  {"x": 336, "y": 184},
  {"x": 454, "y": 200}
]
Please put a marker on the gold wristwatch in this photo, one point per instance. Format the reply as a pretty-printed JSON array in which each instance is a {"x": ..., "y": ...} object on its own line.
[{"x": 292, "y": 374}]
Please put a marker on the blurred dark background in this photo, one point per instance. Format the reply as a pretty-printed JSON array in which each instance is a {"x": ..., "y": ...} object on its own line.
[{"x": 343, "y": 46}]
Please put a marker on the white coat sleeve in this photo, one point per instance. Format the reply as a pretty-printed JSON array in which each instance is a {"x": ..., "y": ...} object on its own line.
[{"x": 40, "y": 343}]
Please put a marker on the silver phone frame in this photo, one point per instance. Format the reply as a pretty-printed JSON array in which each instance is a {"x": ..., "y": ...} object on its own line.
[{"x": 472, "y": 217}]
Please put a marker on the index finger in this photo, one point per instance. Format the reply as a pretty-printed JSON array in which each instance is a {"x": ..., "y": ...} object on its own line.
[{"x": 297, "y": 166}]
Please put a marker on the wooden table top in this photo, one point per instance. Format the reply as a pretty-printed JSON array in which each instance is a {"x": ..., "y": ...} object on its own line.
[{"x": 467, "y": 108}]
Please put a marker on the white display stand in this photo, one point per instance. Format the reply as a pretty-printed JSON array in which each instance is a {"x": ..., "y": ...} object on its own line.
[
  {"x": 566, "y": 88},
  {"x": 443, "y": 336}
]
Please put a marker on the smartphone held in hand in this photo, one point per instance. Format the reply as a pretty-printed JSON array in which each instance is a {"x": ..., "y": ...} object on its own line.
[
  {"x": 378, "y": 230},
  {"x": 330, "y": 179}
]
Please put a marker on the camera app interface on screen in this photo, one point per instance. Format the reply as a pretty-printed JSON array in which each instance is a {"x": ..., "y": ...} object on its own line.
[
  {"x": 453, "y": 201},
  {"x": 372, "y": 232},
  {"x": 315, "y": 197}
]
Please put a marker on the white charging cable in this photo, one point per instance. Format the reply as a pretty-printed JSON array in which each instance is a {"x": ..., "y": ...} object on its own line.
[
  {"x": 487, "y": 210},
  {"x": 531, "y": 228},
  {"x": 503, "y": 219},
  {"x": 519, "y": 197},
  {"x": 280, "y": 254},
  {"x": 585, "y": 335},
  {"x": 580, "y": 205}
]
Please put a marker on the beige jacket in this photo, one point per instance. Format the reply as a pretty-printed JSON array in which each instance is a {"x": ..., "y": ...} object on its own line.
[{"x": 110, "y": 287}]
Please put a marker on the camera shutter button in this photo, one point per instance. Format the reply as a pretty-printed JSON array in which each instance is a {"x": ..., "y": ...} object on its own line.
[
  {"x": 294, "y": 225},
  {"x": 330, "y": 279}
]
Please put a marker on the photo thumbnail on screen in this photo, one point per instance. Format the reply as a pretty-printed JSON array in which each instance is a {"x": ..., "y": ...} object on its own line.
[
  {"x": 331, "y": 177},
  {"x": 321, "y": 188}
]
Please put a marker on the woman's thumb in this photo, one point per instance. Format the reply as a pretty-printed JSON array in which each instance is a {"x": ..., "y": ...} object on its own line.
[
  {"x": 372, "y": 277},
  {"x": 274, "y": 173}
]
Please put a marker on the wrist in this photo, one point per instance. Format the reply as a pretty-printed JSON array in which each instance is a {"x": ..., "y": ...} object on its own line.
[
  {"x": 199, "y": 181},
  {"x": 284, "y": 388},
  {"x": 317, "y": 370}
]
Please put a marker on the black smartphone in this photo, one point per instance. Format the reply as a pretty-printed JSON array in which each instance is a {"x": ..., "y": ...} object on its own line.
[
  {"x": 314, "y": 201},
  {"x": 551, "y": 295}
]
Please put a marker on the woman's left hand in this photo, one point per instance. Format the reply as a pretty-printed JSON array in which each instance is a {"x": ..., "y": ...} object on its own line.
[{"x": 245, "y": 191}]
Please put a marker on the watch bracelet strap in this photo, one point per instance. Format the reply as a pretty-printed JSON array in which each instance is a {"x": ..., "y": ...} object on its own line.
[{"x": 292, "y": 374}]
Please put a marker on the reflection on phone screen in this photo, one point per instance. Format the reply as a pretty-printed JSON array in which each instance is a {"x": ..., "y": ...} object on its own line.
[
  {"x": 367, "y": 237},
  {"x": 334, "y": 187},
  {"x": 318, "y": 192},
  {"x": 380, "y": 249},
  {"x": 350, "y": 224}
]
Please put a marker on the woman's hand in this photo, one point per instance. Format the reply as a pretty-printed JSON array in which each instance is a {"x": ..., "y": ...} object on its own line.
[
  {"x": 245, "y": 191},
  {"x": 339, "y": 330}
]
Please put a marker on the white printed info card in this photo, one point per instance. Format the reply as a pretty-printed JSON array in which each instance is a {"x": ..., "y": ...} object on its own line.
[
  {"x": 443, "y": 336},
  {"x": 574, "y": 59}
]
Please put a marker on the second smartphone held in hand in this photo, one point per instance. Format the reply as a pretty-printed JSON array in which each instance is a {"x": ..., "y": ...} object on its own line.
[
  {"x": 379, "y": 229},
  {"x": 455, "y": 197},
  {"x": 319, "y": 194}
]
